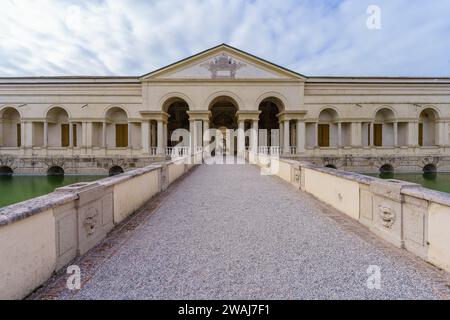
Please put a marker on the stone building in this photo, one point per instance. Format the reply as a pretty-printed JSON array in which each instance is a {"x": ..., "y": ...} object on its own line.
[{"x": 93, "y": 124}]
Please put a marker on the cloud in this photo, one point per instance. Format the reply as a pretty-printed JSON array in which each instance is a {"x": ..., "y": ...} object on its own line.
[{"x": 133, "y": 37}]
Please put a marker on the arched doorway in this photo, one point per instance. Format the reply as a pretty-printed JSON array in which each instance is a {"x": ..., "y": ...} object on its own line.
[
  {"x": 178, "y": 109},
  {"x": 10, "y": 128},
  {"x": 427, "y": 128},
  {"x": 383, "y": 130},
  {"x": 223, "y": 118},
  {"x": 269, "y": 125}
]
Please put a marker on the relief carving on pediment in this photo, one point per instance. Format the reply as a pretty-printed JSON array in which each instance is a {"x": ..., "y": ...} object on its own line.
[{"x": 223, "y": 67}]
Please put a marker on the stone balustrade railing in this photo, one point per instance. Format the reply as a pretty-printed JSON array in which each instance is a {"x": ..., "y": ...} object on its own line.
[
  {"x": 405, "y": 214},
  {"x": 40, "y": 236}
]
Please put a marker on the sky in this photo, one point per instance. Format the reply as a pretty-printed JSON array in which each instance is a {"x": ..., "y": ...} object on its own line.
[{"x": 312, "y": 37}]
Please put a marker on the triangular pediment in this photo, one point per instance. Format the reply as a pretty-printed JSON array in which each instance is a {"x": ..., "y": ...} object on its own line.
[{"x": 223, "y": 63}]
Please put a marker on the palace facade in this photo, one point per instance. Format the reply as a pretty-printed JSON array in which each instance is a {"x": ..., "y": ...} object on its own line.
[{"x": 99, "y": 124}]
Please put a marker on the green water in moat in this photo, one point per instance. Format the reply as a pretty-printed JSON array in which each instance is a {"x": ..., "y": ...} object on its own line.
[
  {"x": 435, "y": 181},
  {"x": 15, "y": 189}
]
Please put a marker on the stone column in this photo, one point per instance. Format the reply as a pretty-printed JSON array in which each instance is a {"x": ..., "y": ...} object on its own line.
[
  {"x": 395, "y": 134},
  {"x": 286, "y": 138},
  {"x": 301, "y": 134},
  {"x": 22, "y": 134},
  {"x": 70, "y": 135},
  {"x": 206, "y": 138},
  {"x": 356, "y": 134},
  {"x": 192, "y": 139},
  {"x": 160, "y": 138},
  {"x": 165, "y": 131},
  {"x": 241, "y": 138},
  {"x": 281, "y": 134},
  {"x": 29, "y": 134},
  {"x": 255, "y": 133},
  {"x": 441, "y": 133},
  {"x": 316, "y": 134},
  {"x": 104, "y": 135},
  {"x": 129, "y": 135},
  {"x": 45, "y": 134},
  {"x": 145, "y": 132},
  {"x": 372, "y": 134},
  {"x": 413, "y": 134},
  {"x": 339, "y": 142}
]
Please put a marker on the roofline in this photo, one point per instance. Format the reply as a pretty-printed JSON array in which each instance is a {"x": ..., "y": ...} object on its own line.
[{"x": 225, "y": 46}]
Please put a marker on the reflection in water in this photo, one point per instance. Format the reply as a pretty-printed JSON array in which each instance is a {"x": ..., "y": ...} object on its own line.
[
  {"x": 430, "y": 176},
  {"x": 386, "y": 175},
  {"x": 435, "y": 181},
  {"x": 15, "y": 189}
]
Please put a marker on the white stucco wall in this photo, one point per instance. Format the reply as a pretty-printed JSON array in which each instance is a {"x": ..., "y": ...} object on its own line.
[{"x": 27, "y": 254}]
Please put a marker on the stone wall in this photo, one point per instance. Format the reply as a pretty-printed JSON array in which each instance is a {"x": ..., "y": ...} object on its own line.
[
  {"x": 402, "y": 213},
  {"x": 42, "y": 235}
]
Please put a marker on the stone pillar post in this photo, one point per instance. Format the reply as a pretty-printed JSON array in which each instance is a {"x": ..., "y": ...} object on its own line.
[
  {"x": 160, "y": 138},
  {"x": 45, "y": 134},
  {"x": 145, "y": 132},
  {"x": 29, "y": 134},
  {"x": 22, "y": 134},
  {"x": 301, "y": 134}
]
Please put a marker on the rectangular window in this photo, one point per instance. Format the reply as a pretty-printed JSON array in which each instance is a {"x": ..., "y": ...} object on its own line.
[
  {"x": 19, "y": 135},
  {"x": 65, "y": 135},
  {"x": 324, "y": 135},
  {"x": 378, "y": 134},
  {"x": 74, "y": 135},
  {"x": 421, "y": 134},
  {"x": 121, "y": 135},
  {"x": 369, "y": 142}
]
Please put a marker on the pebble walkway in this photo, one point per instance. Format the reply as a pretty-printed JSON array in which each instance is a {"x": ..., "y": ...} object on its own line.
[{"x": 227, "y": 232}]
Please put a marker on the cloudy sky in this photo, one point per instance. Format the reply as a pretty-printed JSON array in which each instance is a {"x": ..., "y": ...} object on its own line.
[{"x": 313, "y": 37}]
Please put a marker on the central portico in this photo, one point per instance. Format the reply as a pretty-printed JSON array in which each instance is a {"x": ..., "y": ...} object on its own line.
[{"x": 225, "y": 88}]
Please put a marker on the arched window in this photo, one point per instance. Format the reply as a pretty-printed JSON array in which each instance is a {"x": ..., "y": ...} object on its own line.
[
  {"x": 383, "y": 131},
  {"x": 327, "y": 131},
  {"x": 427, "y": 128},
  {"x": 117, "y": 133},
  {"x": 58, "y": 128},
  {"x": 11, "y": 129}
]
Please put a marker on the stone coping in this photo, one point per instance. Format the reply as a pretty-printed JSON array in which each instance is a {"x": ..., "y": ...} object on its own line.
[
  {"x": 28, "y": 208},
  {"x": 407, "y": 188},
  {"x": 63, "y": 195},
  {"x": 435, "y": 196}
]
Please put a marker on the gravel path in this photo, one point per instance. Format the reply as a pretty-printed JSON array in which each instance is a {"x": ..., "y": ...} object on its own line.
[{"x": 226, "y": 232}]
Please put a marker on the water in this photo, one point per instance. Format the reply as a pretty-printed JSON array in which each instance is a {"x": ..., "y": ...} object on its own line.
[
  {"x": 435, "y": 181},
  {"x": 15, "y": 189}
]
